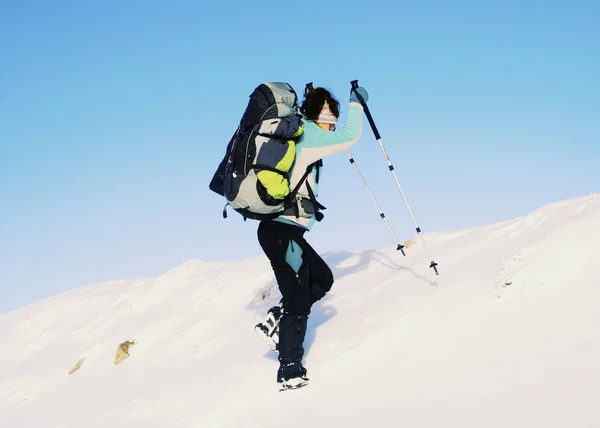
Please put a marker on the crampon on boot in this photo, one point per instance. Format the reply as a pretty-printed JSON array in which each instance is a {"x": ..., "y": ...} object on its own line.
[
  {"x": 291, "y": 375},
  {"x": 268, "y": 329}
]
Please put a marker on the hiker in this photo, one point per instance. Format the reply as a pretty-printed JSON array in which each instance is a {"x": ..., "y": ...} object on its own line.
[{"x": 302, "y": 275}]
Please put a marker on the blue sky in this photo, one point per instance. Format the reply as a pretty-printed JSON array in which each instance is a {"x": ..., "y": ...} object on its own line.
[{"x": 115, "y": 114}]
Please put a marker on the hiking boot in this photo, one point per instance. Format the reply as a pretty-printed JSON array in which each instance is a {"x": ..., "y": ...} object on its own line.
[{"x": 291, "y": 373}]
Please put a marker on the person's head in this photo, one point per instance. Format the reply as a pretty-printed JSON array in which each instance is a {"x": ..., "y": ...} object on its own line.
[{"x": 321, "y": 107}]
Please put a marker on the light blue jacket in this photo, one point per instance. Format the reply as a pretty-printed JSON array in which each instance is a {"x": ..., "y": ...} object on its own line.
[{"x": 316, "y": 144}]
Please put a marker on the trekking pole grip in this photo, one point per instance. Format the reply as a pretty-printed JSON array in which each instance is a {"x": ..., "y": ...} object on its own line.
[{"x": 354, "y": 84}]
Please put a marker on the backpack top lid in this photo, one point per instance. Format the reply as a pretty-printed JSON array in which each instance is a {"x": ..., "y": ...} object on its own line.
[{"x": 268, "y": 101}]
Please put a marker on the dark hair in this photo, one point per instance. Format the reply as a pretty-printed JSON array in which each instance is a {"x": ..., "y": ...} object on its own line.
[{"x": 314, "y": 99}]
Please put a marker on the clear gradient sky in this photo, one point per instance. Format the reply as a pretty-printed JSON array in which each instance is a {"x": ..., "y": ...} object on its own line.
[{"x": 114, "y": 115}]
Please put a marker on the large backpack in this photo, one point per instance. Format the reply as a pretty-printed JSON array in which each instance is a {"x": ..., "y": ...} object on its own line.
[{"x": 253, "y": 175}]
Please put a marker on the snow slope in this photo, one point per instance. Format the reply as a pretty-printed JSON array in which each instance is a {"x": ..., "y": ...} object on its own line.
[{"x": 507, "y": 335}]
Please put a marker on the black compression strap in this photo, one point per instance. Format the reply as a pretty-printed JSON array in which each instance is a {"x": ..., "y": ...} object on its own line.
[{"x": 269, "y": 168}]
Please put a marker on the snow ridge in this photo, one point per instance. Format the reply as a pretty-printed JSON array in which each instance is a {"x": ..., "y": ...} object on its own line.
[{"x": 506, "y": 335}]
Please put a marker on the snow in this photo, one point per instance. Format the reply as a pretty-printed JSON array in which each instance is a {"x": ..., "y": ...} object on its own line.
[{"x": 506, "y": 335}]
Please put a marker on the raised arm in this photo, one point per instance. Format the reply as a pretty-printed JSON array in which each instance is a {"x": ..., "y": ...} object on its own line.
[{"x": 320, "y": 144}]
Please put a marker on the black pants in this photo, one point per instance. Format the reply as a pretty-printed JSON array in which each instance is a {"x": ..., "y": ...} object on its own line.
[
  {"x": 299, "y": 288},
  {"x": 314, "y": 278}
]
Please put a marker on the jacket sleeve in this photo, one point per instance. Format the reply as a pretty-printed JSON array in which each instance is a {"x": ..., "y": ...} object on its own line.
[{"x": 320, "y": 144}]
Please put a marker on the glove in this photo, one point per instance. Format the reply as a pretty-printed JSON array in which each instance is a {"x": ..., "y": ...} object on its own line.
[{"x": 363, "y": 93}]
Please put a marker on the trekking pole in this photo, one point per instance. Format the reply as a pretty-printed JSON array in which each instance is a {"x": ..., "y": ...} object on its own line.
[
  {"x": 354, "y": 84},
  {"x": 399, "y": 247}
]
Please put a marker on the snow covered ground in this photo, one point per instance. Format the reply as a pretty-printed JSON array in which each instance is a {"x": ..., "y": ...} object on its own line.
[{"x": 508, "y": 335}]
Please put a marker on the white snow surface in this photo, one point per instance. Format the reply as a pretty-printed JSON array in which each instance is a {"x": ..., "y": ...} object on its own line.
[{"x": 508, "y": 335}]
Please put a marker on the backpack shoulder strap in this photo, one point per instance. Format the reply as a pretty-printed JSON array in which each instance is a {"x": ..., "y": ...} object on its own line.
[{"x": 291, "y": 202}]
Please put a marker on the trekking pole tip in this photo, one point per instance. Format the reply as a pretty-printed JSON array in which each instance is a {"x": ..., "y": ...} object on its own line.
[
  {"x": 401, "y": 248},
  {"x": 434, "y": 266}
]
